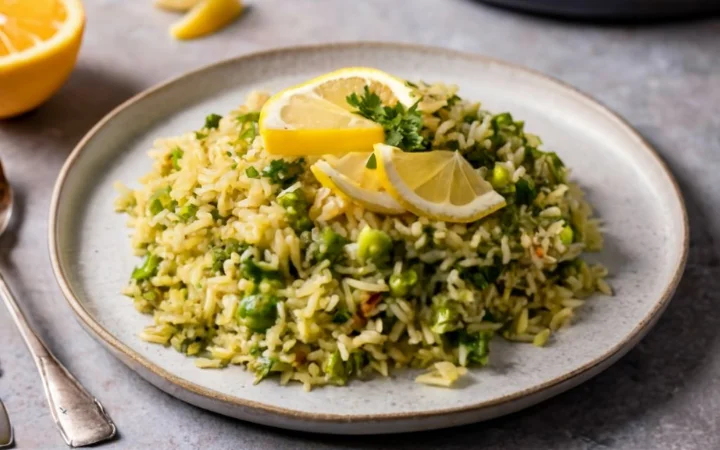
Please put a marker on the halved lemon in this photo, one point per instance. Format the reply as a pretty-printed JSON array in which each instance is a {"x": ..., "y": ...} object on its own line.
[
  {"x": 207, "y": 17},
  {"x": 39, "y": 42},
  {"x": 349, "y": 177},
  {"x": 314, "y": 118},
  {"x": 440, "y": 184}
]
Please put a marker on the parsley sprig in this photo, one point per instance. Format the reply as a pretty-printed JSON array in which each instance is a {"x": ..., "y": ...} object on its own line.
[{"x": 402, "y": 125}]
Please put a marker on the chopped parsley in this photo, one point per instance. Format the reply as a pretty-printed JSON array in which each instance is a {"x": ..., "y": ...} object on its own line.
[
  {"x": 282, "y": 172},
  {"x": 402, "y": 125},
  {"x": 212, "y": 121},
  {"x": 525, "y": 191}
]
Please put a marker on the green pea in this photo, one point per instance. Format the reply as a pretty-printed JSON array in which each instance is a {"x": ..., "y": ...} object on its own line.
[
  {"x": 374, "y": 245},
  {"x": 400, "y": 284},
  {"x": 330, "y": 245},
  {"x": 334, "y": 368},
  {"x": 500, "y": 176},
  {"x": 258, "y": 312},
  {"x": 567, "y": 235}
]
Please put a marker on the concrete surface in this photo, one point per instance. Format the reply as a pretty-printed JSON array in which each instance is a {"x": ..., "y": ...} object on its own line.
[{"x": 664, "y": 78}]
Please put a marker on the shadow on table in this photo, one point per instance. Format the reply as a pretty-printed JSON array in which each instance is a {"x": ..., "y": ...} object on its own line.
[
  {"x": 88, "y": 95},
  {"x": 664, "y": 365}
]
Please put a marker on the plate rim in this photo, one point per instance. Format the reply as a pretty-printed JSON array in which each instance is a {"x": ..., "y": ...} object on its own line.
[{"x": 118, "y": 348}]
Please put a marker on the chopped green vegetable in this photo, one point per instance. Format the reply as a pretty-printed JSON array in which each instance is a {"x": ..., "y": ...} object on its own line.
[
  {"x": 222, "y": 253},
  {"x": 500, "y": 176},
  {"x": 160, "y": 201},
  {"x": 567, "y": 235},
  {"x": 329, "y": 245},
  {"x": 356, "y": 363},
  {"x": 258, "y": 312},
  {"x": 445, "y": 318},
  {"x": 401, "y": 284},
  {"x": 374, "y": 245},
  {"x": 283, "y": 172},
  {"x": 334, "y": 368},
  {"x": 525, "y": 191},
  {"x": 187, "y": 211},
  {"x": 212, "y": 121},
  {"x": 477, "y": 346},
  {"x": 452, "y": 100},
  {"x": 371, "y": 162},
  {"x": 264, "y": 365},
  {"x": 479, "y": 156},
  {"x": 482, "y": 277},
  {"x": 296, "y": 210},
  {"x": 402, "y": 125},
  {"x": 175, "y": 155},
  {"x": 199, "y": 135},
  {"x": 249, "y": 134},
  {"x": 257, "y": 272},
  {"x": 148, "y": 269},
  {"x": 252, "y": 172},
  {"x": 252, "y": 117},
  {"x": 341, "y": 316}
]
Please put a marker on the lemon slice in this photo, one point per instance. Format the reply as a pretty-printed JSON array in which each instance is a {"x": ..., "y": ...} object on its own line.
[
  {"x": 176, "y": 5},
  {"x": 440, "y": 184},
  {"x": 206, "y": 17},
  {"x": 314, "y": 118},
  {"x": 39, "y": 42},
  {"x": 349, "y": 177}
]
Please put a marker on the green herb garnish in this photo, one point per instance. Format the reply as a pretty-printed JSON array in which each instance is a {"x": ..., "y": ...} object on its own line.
[
  {"x": 402, "y": 125},
  {"x": 283, "y": 172},
  {"x": 212, "y": 121}
]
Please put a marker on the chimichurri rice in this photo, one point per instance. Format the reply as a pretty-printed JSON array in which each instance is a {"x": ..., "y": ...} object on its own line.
[{"x": 249, "y": 261}]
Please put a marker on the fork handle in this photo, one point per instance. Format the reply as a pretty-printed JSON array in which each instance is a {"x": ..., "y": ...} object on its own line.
[{"x": 80, "y": 418}]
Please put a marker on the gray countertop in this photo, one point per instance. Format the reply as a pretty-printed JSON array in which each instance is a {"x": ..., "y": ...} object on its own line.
[{"x": 665, "y": 79}]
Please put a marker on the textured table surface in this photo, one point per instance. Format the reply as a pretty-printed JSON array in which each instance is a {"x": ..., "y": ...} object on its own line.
[{"x": 665, "y": 79}]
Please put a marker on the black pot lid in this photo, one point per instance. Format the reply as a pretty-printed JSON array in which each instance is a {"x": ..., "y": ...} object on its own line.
[{"x": 626, "y": 9}]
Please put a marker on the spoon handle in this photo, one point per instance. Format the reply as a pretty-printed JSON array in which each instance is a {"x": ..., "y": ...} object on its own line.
[{"x": 79, "y": 416}]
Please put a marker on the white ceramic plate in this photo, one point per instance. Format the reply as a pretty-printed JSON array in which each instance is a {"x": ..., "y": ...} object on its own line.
[{"x": 646, "y": 234}]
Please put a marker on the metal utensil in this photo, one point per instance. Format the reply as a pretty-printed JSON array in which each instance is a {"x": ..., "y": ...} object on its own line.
[
  {"x": 6, "y": 432},
  {"x": 79, "y": 416}
]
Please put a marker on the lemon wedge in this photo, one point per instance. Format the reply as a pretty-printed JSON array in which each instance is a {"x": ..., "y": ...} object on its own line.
[
  {"x": 39, "y": 43},
  {"x": 348, "y": 177},
  {"x": 314, "y": 118},
  {"x": 207, "y": 17},
  {"x": 440, "y": 185},
  {"x": 176, "y": 5}
]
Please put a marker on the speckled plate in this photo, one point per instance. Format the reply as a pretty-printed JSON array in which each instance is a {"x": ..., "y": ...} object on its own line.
[{"x": 646, "y": 226}]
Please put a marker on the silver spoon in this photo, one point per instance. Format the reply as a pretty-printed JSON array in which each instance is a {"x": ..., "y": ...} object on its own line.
[{"x": 79, "y": 416}]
